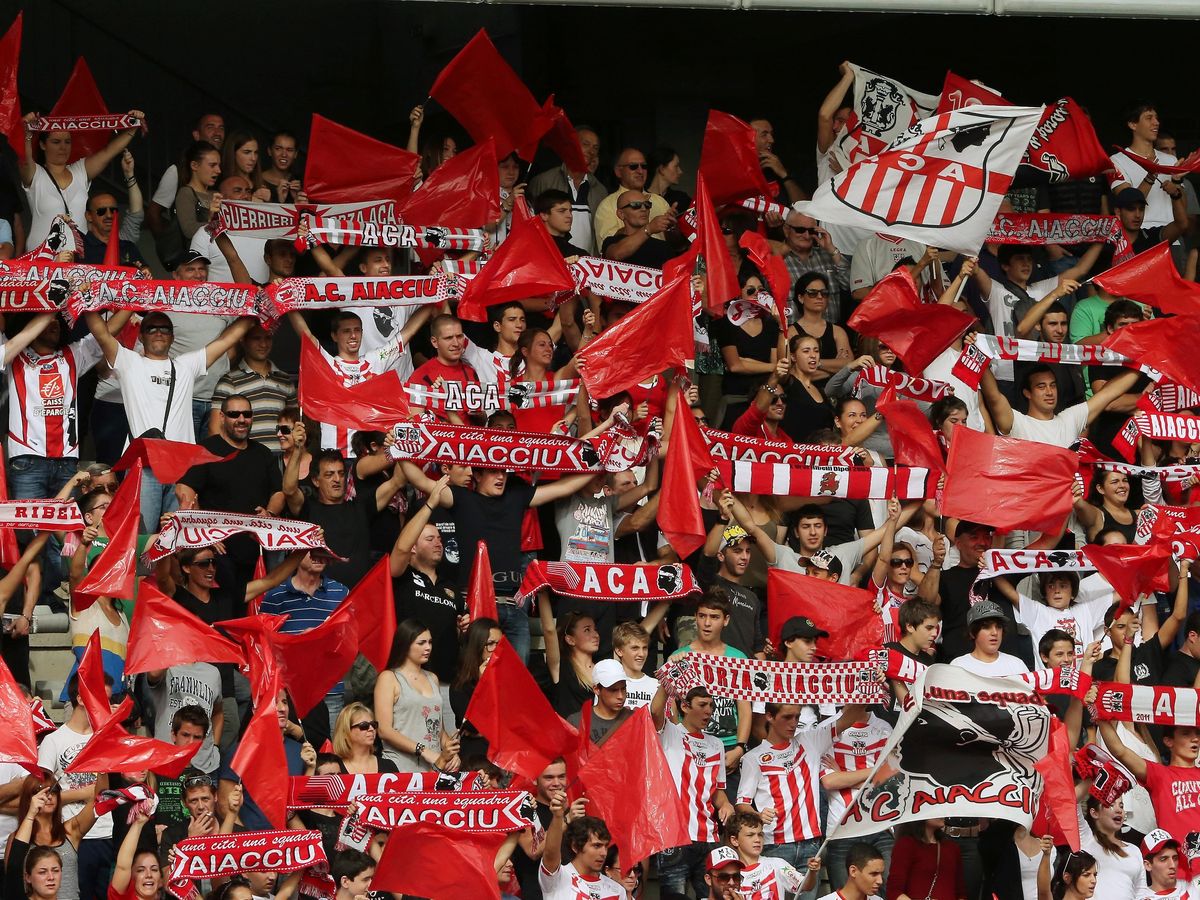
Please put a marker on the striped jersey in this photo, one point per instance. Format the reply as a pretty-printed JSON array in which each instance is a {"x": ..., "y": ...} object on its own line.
[
  {"x": 787, "y": 779},
  {"x": 697, "y": 763},
  {"x": 43, "y": 411},
  {"x": 770, "y": 879},
  {"x": 856, "y": 749}
]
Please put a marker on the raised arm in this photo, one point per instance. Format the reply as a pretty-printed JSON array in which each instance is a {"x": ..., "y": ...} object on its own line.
[
  {"x": 123, "y": 870},
  {"x": 1112, "y": 741},
  {"x": 28, "y": 162},
  {"x": 997, "y": 404},
  {"x": 557, "y": 490},
  {"x": 300, "y": 326},
  {"x": 1029, "y": 322},
  {"x": 1179, "y": 222},
  {"x": 227, "y": 340},
  {"x": 872, "y": 538},
  {"x": 98, "y": 162},
  {"x": 426, "y": 485},
  {"x": 99, "y": 329},
  {"x": 26, "y": 336},
  {"x": 766, "y": 544},
  {"x": 407, "y": 539},
  {"x": 275, "y": 577},
  {"x": 292, "y": 494},
  {"x": 241, "y": 275},
  {"x": 880, "y": 572},
  {"x": 830, "y": 105}
]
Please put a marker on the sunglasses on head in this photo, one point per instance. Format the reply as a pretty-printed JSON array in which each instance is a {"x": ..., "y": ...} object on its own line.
[
  {"x": 104, "y": 210},
  {"x": 637, "y": 204},
  {"x": 238, "y": 414},
  {"x": 636, "y": 165},
  {"x": 366, "y": 726}
]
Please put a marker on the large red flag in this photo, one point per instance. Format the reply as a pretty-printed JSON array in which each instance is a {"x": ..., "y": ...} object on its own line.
[
  {"x": 847, "y": 613},
  {"x": 463, "y": 192},
  {"x": 729, "y": 160},
  {"x": 633, "y": 755},
  {"x": 1063, "y": 146},
  {"x": 1151, "y": 277},
  {"x": 315, "y": 660},
  {"x": 90, "y": 678},
  {"x": 1132, "y": 569},
  {"x": 490, "y": 100},
  {"x": 1008, "y": 483},
  {"x": 260, "y": 759},
  {"x": 164, "y": 634},
  {"x": 562, "y": 139},
  {"x": 508, "y": 708},
  {"x": 81, "y": 97},
  {"x": 481, "y": 595},
  {"x": 428, "y": 859},
  {"x": 10, "y": 99},
  {"x": 912, "y": 437},
  {"x": 959, "y": 93},
  {"x": 375, "y": 612},
  {"x": 773, "y": 269},
  {"x": 688, "y": 461},
  {"x": 168, "y": 460},
  {"x": 720, "y": 277},
  {"x": 1058, "y": 798},
  {"x": 345, "y": 166},
  {"x": 114, "y": 571},
  {"x": 377, "y": 403},
  {"x": 657, "y": 335},
  {"x": 18, "y": 743},
  {"x": 916, "y": 331},
  {"x": 10, "y": 550},
  {"x": 1165, "y": 344},
  {"x": 528, "y": 264}
]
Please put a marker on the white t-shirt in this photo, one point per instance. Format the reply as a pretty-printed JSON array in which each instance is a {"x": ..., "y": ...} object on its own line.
[
  {"x": 876, "y": 257},
  {"x": 248, "y": 248},
  {"x": 490, "y": 365},
  {"x": 837, "y": 895},
  {"x": 168, "y": 187},
  {"x": 1001, "y": 301},
  {"x": 57, "y": 750},
  {"x": 1004, "y": 664},
  {"x": 568, "y": 884},
  {"x": 640, "y": 692},
  {"x": 193, "y": 684},
  {"x": 1080, "y": 621},
  {"x": 194, "y": 331},
  {"x": 1117, "y": 877},
  {"x": 1158, "y": 202},
  {"x": 381, "y": 326},
  {"x": 771, "y": 879},
  {"x": 8, "y": 821},
  {"x": 145, "y": 384},
  {"x": 1061, "y": 431},
  {"x": 47, "y": 200},
  {"x": 850, "y": 554}
]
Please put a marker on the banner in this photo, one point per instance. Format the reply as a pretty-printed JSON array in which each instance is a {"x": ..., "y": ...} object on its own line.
[
  {"x": 354, "y": 233},
  {"x": 223, "y": 855},
  {"x": 1147, "y": 704},
  {"x": 903, "y": 383},
  {"x": 772, "y": 681},
  {"x": 610, "y": 582},
  {"x": 491, "y": 448},
  {"x": 850, "y": 482},
  {"x": 41, "y": 515},
  {"x": 101, "y": 122},
  {"x": 1156, "y": 426},
  {"x": 615, "y": 280},
  {"x": 965, "y": 746},
  {"x": 452, "y": 396},
  {"x": 190, "y": 528},
  {"x": 18, "y": 295},
  {"x": 977, "y": 356},
  {"x": 1058, "y": 228},
  {"x": 332, "y": 293},
  {"x": 340, "y": 791},
  {"x": 278, "y": 221},
  {"x": 210, "y": 298},
  {"x": 883, "y": 111},
  {"x": 743, "y": 448},
  {"x": 475, "y": 812},
  {"x": 45, "y": 284},
  {"x": 1032, "y": 562},
  {"x": 1168, "y": 397}
]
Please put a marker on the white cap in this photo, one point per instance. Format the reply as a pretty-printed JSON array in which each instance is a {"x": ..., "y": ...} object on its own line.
[{"x": 608, "y": 673}]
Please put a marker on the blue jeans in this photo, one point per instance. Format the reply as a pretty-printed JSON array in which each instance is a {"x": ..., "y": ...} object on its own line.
[
  {"x": 37, "y": 478},
  {"x": 96, "y": 859},
  {"x": 200, "y": 411},
  {"x": 334, "y": 702},
  {"x": 681, "y": 866},
  {"x": 514, "y": 624},
  {"x": 156, "y": 499},
  {"x": 835, "y": 856},
  {"x": 797, "y": 854}
]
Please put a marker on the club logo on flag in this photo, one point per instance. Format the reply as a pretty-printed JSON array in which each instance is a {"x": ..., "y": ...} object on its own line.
[
  {"x": 670, "y": 578},
  {"x": 829, "y": 484},
  {"x": 880, "y": 102},
  {"x": 408, "y": 439}
]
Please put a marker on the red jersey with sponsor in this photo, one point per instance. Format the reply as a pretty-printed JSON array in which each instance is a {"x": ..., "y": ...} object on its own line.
[
  {"x": 43, "y": 408},
  {"x": 786, "y": 778}
]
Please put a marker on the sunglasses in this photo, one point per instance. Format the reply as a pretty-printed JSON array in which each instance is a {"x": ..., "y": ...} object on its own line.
[
  {"x": 782, "y": 401},
  {"x": 732, "y": 877},
  {"x": 749, "y": 290},
  {"x": 158, "y": 329},
  {"x": 366, "y": 726},
  {"x": 238, "y": 414},
  {"x": 283, "y": 429},
  {"x": 637, "y": 204},
  {"x": 726, "y": 230},
  {"x": 804, "y": 229},
  {"x": 897, "y": 561},
  {"x": 104, "y": 210},
  {"x": 209, "y": 563},
  {"x": 196, "y": 781},
  {"x": 635, "y": 166},
  {"x": 816, "y": 292}
]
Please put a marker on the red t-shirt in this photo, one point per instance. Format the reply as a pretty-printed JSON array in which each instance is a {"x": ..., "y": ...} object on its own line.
[
  {"x": 1175, "y": 793},
  {"x": 130, "y": 893},
  {"x": 458, "y": 400},
  {"x": 753, "y": 423}
]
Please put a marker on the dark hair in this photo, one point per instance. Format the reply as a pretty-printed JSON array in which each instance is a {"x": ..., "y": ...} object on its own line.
[
  {"x": 195, "y": 152},
  {"x": 438, "y": 321},
  {"x": 524, "y": 342},
  {"x": 809, "y": 511},
  {"x": 914, "y": 612},
  {"x": 1108, "y": 844},
  {"x": 748, "y": 270},
  {"x": 496, "y": 313},
  {"x": 715, "y": 598},
  {"x": 698, "y": 691},
  {"x": 548, "y": 199},
  {"x": 362, "y": 441},
  {"x": 326, "y": 759},
  {"x": 188, "y": 555},
  {"x": 738, "y": 220},
  {"x": 1032, "y": 372},
  {"x": 30, "y": 786},
  {"x": 942, "y": 409},
  {"x": 349, "y": 864},
  {"x": 1073, "y": 864},
  {"x": 1121, "y": 309},
  {"x": 803, "y": 282},
  {"x": 840, "y": 404},
  {"x": 659, "y": 157},
  {"x": 1191, "y": 623},
  {"x": 73, "y": 687},
  {"x": 916, "y": 831},
  {"x": 232, "y": 145},
  {"x": 37, "y": 854},
  {"x": 342, "y": 315},
  {"x": 407, "y": 633},
  {"x": 324, "y": 455},
  {"x": 192, "y": 715},
  {"x": 565, "y": 626},
  {"x": 470, "y": 658},
  {"x": 740, "y": 820},
  {"x": 501, "y": 418},
  {"x": 580, "y": 830},
  {"x": 225, "y": 401},
  {"x": 1052, "y": 637},
  {"x": 860, "y": 854},
  {"x": 1008, "y": 251},
  {"x": 1135, "y": 110},
  {"x": 1055, "y": 307},
  {"x": 282, "y": 132}
]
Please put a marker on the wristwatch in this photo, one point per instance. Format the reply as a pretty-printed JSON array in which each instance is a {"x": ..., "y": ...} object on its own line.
[{"x": 744, "y": 745}]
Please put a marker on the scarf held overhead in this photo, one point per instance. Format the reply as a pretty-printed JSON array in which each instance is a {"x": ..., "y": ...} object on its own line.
[
  {"x": 41, "y": 515},
  {"x": 849, "y": 482},
  {"x": 492, "y": 448},
  {"x": 610, "y": 582},
  {"x": 904, "y": 384},
  {"x": 977, "y": 356}
]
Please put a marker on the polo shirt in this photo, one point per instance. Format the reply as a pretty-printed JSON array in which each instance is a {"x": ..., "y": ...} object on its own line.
[{"x": 268, "y": 396}]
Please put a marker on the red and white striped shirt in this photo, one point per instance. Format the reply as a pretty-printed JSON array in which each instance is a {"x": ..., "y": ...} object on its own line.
[
  {"x": 787, "y": 778},
  {"x": 855, "y": 749},
  {"x": 354, "y": 371},
  {"x": 697, "y": 763},
  {"x": 43, "y": 408},
  {"x": 770, "y": 879},
  {"x": 567, "y": 883}
]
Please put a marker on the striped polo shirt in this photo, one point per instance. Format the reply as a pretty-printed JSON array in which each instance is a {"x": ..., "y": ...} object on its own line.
[{"x": 268, "y": 396}]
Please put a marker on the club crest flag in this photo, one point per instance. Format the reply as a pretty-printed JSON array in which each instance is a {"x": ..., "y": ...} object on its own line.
[
  {"x": 968, "y": 746},
  {"x": 939, "y": 183},
  {"x": 884, "y": 109}
]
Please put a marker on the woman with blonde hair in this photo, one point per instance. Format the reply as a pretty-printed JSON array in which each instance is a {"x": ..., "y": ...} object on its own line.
[{"x": 355, "y": 734}]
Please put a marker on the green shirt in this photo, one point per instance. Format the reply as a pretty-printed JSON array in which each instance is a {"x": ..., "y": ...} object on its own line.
[
  {"x": 125, "y": 606},
  {"x": 724, "y": 723}
]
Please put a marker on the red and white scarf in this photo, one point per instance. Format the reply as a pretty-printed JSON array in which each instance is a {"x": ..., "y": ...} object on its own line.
[
  {"x": 97, "y": 122},
  {"x": 724, "y": 445},
  {"x": 42, "y": 723},
  {"x": 138, "y": 797},
  {"x": 1168, "y": 397},
  {"x": 1036, "y": 229},
  {"x": 1109, "y": 779},
  {"x": 1032, "y": 562},
  {"x": 353, "y": 233},
  {"x": 63, "y": 237},
  {"x": 490, "y": 398},
  {"x": 772, "y": 681},
  {"x": 1158, "y": 427},
  {"x": 222, "y": 855},
  {"x": 340, "y": 791},
  {"x": 1065, "y": 681},
  {"x": 903, "y": 383},
  {"x": 1169, "y": 474},
  {"x": 493, "y": 448},
  {"x": 616, "y": 280},
  {"x": 849, "y": 482},
  {"x": 761, "y": 205},
  {"x": 278, "y": 221},
  {"x": 474, "y": 812},
  {"x": 1147, "y": 704},
  {"x": 43, "y": 284},
  {"x": 331, "y": 293},
  {"x": 441, "y": 237},
  {"x": 739, "y": 312},
  {"x": 209, "y": 298},
  {"x": 191, "y": 528},
  {"x": 41, "y": 515},
  {"x": 977, "y": 356},
  {"x": 610, "y": 582}
]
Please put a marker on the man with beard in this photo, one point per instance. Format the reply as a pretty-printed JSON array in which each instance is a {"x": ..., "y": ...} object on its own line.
[
  {"x": 632, "y": 171},
  {"x": 267, "y": 387}
]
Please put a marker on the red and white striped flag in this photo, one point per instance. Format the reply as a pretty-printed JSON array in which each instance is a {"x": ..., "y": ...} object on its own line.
[
  {"x": 850, "y": 482},
  {"x": 940, "y": 183}
]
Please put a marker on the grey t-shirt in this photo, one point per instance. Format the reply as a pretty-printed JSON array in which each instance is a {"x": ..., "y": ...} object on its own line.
[
  {"x": 850, "y": 554},
  {"x": 194, "y": 684},
  {"x": 601, "y": 728},
  {"x": 586, "y": 527}
]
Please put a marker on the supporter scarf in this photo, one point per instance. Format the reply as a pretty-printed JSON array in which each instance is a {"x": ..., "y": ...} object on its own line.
[
  {"x": 42, "y": 723},
  {"x": 1058, "y": 228},
  {"x": 135, "y": 795},
  {"x": 41, "y": 515},
  {"x": 475, "y": 812},
  {"x": 452, "y": 396},
  {"x": 222, "y": 855},
  {"x": 760, "y": 205},
  {"x": 744, "y": 448},
  {"x": 976, "y": 357},
  {"x": 63, "y": 237},
  {"x": 340, "y": 791},
  {"x": 1170, "y": 474},
  {"x": 44, "y": 285},
  {"x": 492, "y": 448},
  {"x": 616, "y": 280},
  {"x": 902, "y": 383},
  {"x": 849, "y": 482},
  {"x": 738, "y": 312},
  {"x": 278, "y": 221},
  {"x": 1168, "y": 397},
  {"x": 352, "y": 233},
  {"x": 610, "y": 582},
  {"x": 190, "y": 528},
  {"x": 1186, "y": 544},
  {"x": 1109, "y": 779},
  {"x": 316, "y": 884},
  {"x": 99, "y": 122},
  {"x": 539, "y": 394},
  {"x": 1031, "y": 562},
  {"x": 1146, "y": 704},
  {"x": 19, "y": 295},
  {"x": 1166, "y": 521},
  {"x": 1156, "y": 426},
  {"x": 771, "y": 681},
  {"x": 1065, "y": 681},
  {"x": 210, "y": 298},
  {"x": 333, "y": 293},
  {"x": 462, "y": 268},
  {"x": 440, "y": 237}
]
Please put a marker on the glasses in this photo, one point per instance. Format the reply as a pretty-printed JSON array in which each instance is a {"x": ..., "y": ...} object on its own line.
[
  {"x": 366, "y": 726},
  {"x": 730, "y": 877},
  {"x": 898, "y": 561},
  {"x": 283, "y": 429},
  {"x": 781, "y": 401},
  {"x": 209, "y": 563},
  {"x": 816, "y": 292},
  {"x": 195, "y": 781},
  {"x": 726, "y": 230},
  {"x": 804, "y": 229},
  {"x": 635, "y": 166},
  {"x": 637, "y": 204},
  {"x": 238, "y": 414},
  {"x": 158, "y": 329},
  {"x": 104, "y": 210}
]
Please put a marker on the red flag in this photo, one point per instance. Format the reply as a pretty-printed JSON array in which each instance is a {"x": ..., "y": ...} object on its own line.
[
  {"x": 481, "y": 595},
  {"x": 463, "y": 192},
  {"x": 847, "y": 613},
  {"x": 720, "y": 276},
  {"x": 773, "y": 269},
  {"x": 115, "y": 570},
  {"x": 1132, "y": 569},
  {"x": 1165, "y": 344},
  {"x": 1058, "y": 798},
  {"x": 345, "y": 166},
  {"x": 562, "y": 139},
  {"x": 81, "y": 97},
  {"x": 378, "y": 402},
  {"x": 168, "y": 460},
  {"x": 10, "y": 98},
  {"x": 912, "y": 437},
  {"x": 688, "y": 460},
  {"x": 113, "y": 749},
  {"x": 18, "y": 743},
  {"x": 1008, "y": 483},
  {"x": 657, "y": 335},
  {"x": 429, "y": 859},
  {"x": 315, "y": 660},
  {"x": 490, "y": 100},
  {"x": 260, "y": 572},
  {"x": 112, "y": 250},
  {"x": 164, "y": 634},
  {"x": 260, "y": 759},
  {"x": 729, "y": 160},
  {"x": 10, "y": 550},
  {"x": 1151, "y": 277},
  {"x": 1064, "y": 146},
  {"x": 959, "y": 92},
  {"x": 509, "y": 709},
  {"x": 90, "y": 677},
  {"x": 375, "y": 612},
  {"x": 527, "y": 264},
  {"x": 633, "y": 755},
  {"x": 916, "y": 331}
]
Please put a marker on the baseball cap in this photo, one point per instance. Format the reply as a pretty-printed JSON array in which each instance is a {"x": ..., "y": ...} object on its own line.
[
  {"x": 1129, "y": 197},
  {"x": 608, "y": 672},
  {"x": 1157, "y": 840},
  {"x": 822, "y": 559},
  {"x": 801, "y": 627},
  {"x": 191, "y": 256},
  {"x": 733, "y": 534},
  {"x": 721, "y": 857},
  {"x": 965, "y": 526},
  {"x": 985, "y": 609}
]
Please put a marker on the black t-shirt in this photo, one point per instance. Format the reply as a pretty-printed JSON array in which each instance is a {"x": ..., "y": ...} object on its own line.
[
  {"x": 443, "y": 520},
  {"x": 1107, "y": 425},
  {"x": 437, "y": 607},
  {"x": 844, "y": 519},
  {"x": 1149, "y": 661},
  {"x": 497, "y": 522},
  {"x": 1182, "y": 671},
  {"x": 743, "y": 631},
  {"x": 749, "y": 346},
  {"x": 347, "y": 533},
  {"x": 653, "y": 253},
  {"x": 240, "y": 485},
  {"x": 566, "y": 248},
  {"x": 955, "y": 592}
]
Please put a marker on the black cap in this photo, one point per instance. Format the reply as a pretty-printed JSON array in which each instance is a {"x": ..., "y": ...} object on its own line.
[
  {"x": 1128, "y": 198},
  {"x": 965, "y": 526},
  {"x": 801, "y": 627},
  {"x": 190, "y": 256}
]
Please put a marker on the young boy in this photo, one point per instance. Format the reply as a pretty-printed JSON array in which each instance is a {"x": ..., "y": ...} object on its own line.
[
  {"x": 986, "y": 624},
  {"x": 631, "y": 646},
  {"x": 763, "y": 877},
  {"x": 865, "y": 875},
  {"x": 1060, "y": 612},
  {"x": 920, "y": 623},
  {"x": 352, "y": 872}
]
